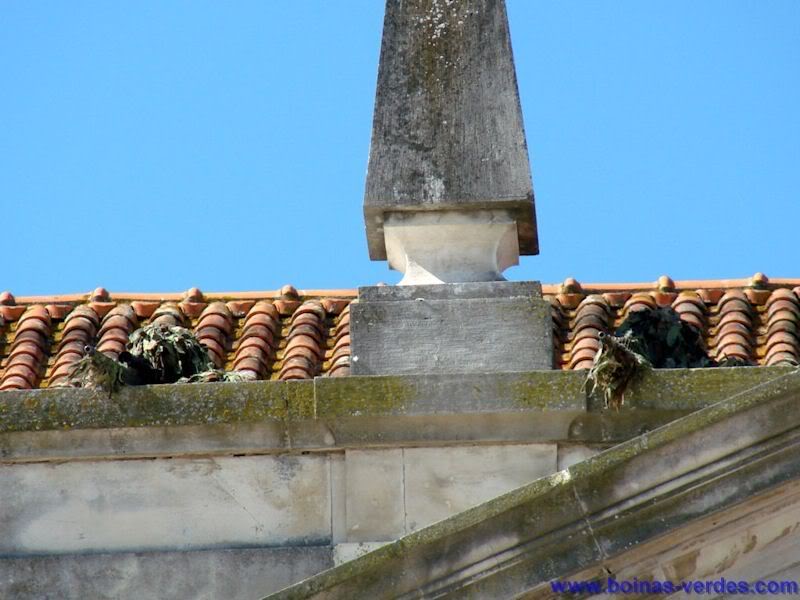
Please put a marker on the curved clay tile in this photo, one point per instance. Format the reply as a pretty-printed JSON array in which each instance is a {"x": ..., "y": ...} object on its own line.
[
  {"x": 571, "y": 294},
  {"x": 193, "y": 303},
  {"x": 616, "y": 300},
  {"x": 664, "y": 294},
  {"x": 255, "y": 349},
  {"x": 116, "y": 329},
  {"x": 168, "y": 314},
  {"x": 783, "y": 321},
  {"x": 144, "y": 309},
  {"x": 638, "y": 301},
  {"x": 288, "y": 302},
  {"x": 28, "y": 351},
  {"x": 9, "y": 311},
  {"x": 758, "y": 292},
  {"x": 592, "y": 317},
  {"x": 734, "y": 334},
  {"x": 340, "y": 359},
  {"x": 80, "y": 329},
  {"x": 213, "y": 331},
  {"x": 304, "y": 351},
  {"x": 691, "y": 309},
  {"x": 334, "y": 306},
  {"x": 240, "y": 308},
  {"x": 100, "y": 301}
]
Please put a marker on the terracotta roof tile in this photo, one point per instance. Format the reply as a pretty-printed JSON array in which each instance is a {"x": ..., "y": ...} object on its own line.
[
  {"x": 169, "y": 314},
  {"x": 296, "y": 334},
  {"x": 115, "y": 329},
  {"x": 304, "y": 352},
  {"x": 80, "y": 329},
  {"x": 340, "y": 357},
  {"x": 213, "y": 330},
  {"x": 28, "y": 348}
]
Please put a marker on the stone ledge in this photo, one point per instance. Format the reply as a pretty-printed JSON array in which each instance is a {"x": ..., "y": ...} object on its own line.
[
  {"x": 577, "y": 519},
  {"x": 335, "y": 413},
  {"x": 219, "y": 573}
]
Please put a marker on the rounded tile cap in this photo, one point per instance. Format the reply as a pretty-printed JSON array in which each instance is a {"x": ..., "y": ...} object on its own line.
[
  {"x": 100, "y": 295},
  {"x": 7, "y": 299},
  {"x": 759, "y": 281},
  {"x": 193, "y": 295},
  {"x": 289, "y": 291},
  {"x": 571, "y": 286},
  {"x": 665, "y": 284}
]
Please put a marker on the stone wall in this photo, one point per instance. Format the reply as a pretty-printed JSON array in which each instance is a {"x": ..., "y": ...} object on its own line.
[{"x": 231, "y": 490}]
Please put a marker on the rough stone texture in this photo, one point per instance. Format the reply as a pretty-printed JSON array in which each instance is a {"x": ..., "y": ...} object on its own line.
[
  {"x": 459, "y": 291},
  {"x": 450, "y": 246},
  {"x": 570, "y": 454},
  {"x": 440, "y": 482},
  {"x": 729, "y": 464},
  {"x": 164, "y": 504},
  {"x": 448, "y": 330},
  {"x": 242, "y": 574},
  {"x": 375, "y": 495},
  {"x": 350, "y": 412},
  {"x": 73, "y": 478},
  {"x": 447, "y": 130},
  {"x": 349, "y": 551}
]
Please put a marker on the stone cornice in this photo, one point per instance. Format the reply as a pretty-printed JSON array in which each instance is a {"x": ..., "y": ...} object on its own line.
[
  {"x": 335, "y": 413},
  {"x": 714, "y": 459}
]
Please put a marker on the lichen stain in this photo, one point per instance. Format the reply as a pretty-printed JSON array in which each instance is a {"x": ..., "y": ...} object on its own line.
[
  {"x": 728, "y": 561},
  {"x": 751, "y": 543},
  {"x": 686, "y": 565}
]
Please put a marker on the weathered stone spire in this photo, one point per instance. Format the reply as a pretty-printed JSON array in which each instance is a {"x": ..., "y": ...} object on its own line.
[
  {"x": 449, "y": 201},
  {"x": 449, "y": 195}
]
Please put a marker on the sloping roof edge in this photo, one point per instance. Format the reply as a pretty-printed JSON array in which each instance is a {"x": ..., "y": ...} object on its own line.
[{"x": 577, "y": 517}]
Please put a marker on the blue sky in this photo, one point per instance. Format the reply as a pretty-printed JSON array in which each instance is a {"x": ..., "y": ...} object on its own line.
[{"x": 155, "y": 146}]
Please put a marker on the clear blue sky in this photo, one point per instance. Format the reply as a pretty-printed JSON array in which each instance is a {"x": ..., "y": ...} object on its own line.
[{"x": 155, "y": 146}]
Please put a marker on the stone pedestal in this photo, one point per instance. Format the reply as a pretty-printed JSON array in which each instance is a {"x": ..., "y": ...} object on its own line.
[
  {"x": 478, "y": 327},
  {"x": 451, "y": 246}
]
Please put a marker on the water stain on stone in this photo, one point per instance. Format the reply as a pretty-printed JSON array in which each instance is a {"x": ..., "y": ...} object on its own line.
[
  {"x": 686, "y": 565},
  {"x": 728, "y": 561}
]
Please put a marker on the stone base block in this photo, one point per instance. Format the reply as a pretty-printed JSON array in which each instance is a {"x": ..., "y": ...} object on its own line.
[
  {"x": 243, "y": 574},
  {"x": 483, "y": 327}
]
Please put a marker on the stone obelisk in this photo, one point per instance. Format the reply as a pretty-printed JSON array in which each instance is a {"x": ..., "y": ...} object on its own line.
[
  {"x": 448, "y": 145},
  {"x": 449, "y": 199}
]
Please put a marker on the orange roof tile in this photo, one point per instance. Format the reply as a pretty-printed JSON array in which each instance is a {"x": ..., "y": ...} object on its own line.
[{"x": 300, "y": 334}]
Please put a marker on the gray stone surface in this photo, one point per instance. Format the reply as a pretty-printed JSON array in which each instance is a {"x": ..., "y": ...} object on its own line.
[
  {"x": 351, "y": 550},
  {"x": 132, "y": 505},
  {"x": 451, "y": 334},
  {"x": 242, "y": 574},
  {"x": 451, "y": 291},
  {"x": 375, "y": 495},
  {"x": 569, "y": 454},
  {"x": 353, "y": 412},
  {"x": 447, "y": 129},
  {"x": 731, "y": 465},
  {"x": 440, "y": 482}
]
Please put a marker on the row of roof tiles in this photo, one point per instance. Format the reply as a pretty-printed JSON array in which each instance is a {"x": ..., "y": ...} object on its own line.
[
  {"x": 283, "y": 337},
  {"x": 299, "y": 335}
]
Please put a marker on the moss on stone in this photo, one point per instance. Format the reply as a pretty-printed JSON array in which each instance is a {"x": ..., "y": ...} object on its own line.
[
  {"x": 541, "y": 391},
  {"x": 362, "y": 396},
  {"x": 661, "y": 396},
  {"x": 595, "y": 476},
  {"x": 162, "y": 405}
]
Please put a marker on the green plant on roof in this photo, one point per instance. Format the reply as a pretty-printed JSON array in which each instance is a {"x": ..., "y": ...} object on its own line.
[
  {"x": 665, "y": 340},
  {"x": 651, "y": 337},
  {"x": 615, "y": 366},
  {"x": 154, "y": 354}
]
